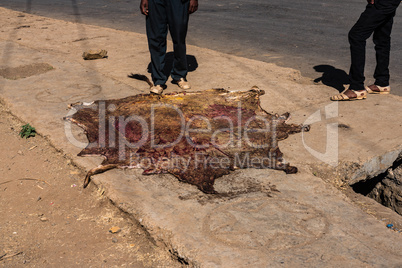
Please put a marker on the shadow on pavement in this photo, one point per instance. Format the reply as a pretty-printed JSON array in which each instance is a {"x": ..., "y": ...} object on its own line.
[
  {"x": 332, "y": 77},
  {"x": 192, "y": 63}
]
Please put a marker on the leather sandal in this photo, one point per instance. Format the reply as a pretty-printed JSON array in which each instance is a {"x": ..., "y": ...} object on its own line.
[
  {"x": 183, "y": 84},
  {"x": 374, "y": 89},
  {"x": 360, "y": 95},
  {"x": 158, "y": 89}
]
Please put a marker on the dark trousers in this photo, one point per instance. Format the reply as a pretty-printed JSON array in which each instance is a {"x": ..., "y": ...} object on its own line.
[
  {"x": 377, "y": 19},
  {"x": 164, "y": 15}
]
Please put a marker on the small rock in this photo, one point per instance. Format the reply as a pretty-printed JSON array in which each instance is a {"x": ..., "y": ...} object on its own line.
[
  {"x": 390, "y": 174},
  {"x": 94, "y": 54},
  {"x": 20, "y": 152},
  {"x": 44, "y": 219},
  {"x": 114, "y": 229},
  {"x": 114, "y": 240}
]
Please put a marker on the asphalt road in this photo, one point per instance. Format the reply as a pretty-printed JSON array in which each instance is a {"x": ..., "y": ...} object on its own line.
[{"x": 309, "y": 35}]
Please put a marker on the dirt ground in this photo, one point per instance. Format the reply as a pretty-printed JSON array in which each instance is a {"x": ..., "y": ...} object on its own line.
[{"x": 48, "y": 220}]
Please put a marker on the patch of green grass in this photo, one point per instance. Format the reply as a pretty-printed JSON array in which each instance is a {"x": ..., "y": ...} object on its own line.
[{"x": 27, "y": 131}]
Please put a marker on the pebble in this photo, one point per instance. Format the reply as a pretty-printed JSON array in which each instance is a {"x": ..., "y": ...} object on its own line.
[
  {"x": 390, "y": 174},
  {"x": 114, "y": 240},
  {"x": 114, "y": 229}
]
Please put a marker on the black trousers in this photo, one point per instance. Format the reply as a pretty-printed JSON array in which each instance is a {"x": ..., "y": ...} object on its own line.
[
  {"x": 377, "y": 19},
  {"x": 164, "y": 15}
]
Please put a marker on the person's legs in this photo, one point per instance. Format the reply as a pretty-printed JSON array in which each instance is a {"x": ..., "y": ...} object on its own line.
[
  {"x": 178, "y": 24},
  {"x": 382, "y": 41},
  {"x": 369, "y": 20},
  {"x": 156, "y": 26}
]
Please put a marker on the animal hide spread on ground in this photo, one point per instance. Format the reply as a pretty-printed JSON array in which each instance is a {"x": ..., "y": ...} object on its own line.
[{"x": 195, "y": 136}]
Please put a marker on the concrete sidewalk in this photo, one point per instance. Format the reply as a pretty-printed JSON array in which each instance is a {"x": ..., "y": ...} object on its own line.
[{"x": 308, "y": 222}]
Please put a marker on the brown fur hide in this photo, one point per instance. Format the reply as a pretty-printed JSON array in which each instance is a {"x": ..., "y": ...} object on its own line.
[{"x": 195, "y": 136}]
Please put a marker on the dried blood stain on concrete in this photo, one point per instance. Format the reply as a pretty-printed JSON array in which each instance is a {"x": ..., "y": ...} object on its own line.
[{"x": 195, "y": 136}]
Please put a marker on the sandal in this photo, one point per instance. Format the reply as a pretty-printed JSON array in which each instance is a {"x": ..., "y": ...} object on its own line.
[
  {"x": 158, "y": 89},
  {"x": 360, "y": 95},
  {"x": 374, "y": 89}
]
